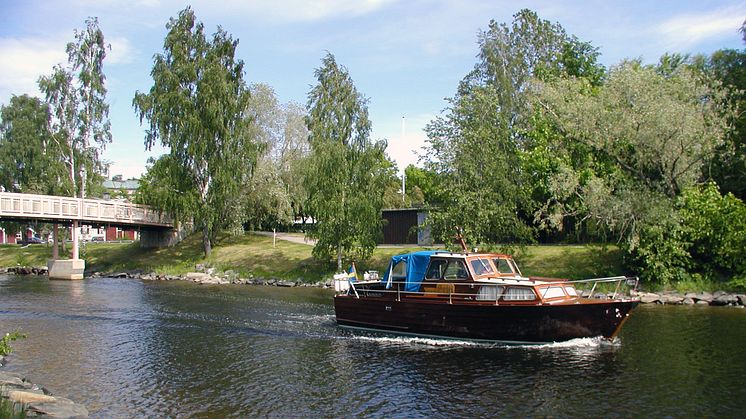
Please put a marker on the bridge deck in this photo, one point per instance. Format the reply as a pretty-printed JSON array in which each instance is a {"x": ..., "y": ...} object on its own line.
[{"x": 15, "y": 206}]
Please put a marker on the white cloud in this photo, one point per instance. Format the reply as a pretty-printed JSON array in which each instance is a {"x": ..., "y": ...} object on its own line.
[
  {"x": 405, "y": 149},
  {"x": 22, "y": 61},
  {"x": 304, "y": 10},
  {"x": 122, "y": 51},
  {"x": 689, "y": 29}
]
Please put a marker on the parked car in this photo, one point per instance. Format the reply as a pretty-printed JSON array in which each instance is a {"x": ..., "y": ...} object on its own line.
[
  {"x": 33, "y": 240},
  {"x": 97, "y": 239}
]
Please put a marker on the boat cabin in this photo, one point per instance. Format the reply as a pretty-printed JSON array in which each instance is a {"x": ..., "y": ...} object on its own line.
[{"x": 479, "y": 277}]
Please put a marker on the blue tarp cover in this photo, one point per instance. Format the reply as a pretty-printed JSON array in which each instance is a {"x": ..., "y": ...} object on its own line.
[{"x": 416, "y": 264}]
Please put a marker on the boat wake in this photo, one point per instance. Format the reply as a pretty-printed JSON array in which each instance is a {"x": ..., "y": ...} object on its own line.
[
  {"x": 579, "y": 343},
  {"x": 419, "y": 341}
]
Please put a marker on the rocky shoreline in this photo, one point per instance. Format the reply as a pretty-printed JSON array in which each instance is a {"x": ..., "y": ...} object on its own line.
[
  {"x": 206, "y": 275},
  {"x": 38, "y": 401}
]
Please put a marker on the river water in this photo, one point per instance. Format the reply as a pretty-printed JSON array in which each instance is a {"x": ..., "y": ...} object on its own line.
[{"x": 127, "y": 348}]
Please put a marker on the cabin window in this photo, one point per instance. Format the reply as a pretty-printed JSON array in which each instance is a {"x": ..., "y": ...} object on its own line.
[
  {"x": 515, "y": 267},
  {"x": 456, "y": 270},
  {"x": 490, "y": 292},
  {"x": 571, "y": 291},
  {"x": 503, "y": 266},
  {"x": 399, "y": 271},
  {"x": 552, "y": 292},
  {"x": 481, "y": 267},
  {"x": 436, "y": 269},
  {"x": 519, "y": 294}
]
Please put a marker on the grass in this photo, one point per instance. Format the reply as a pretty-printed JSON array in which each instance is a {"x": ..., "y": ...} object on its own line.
[
  {"x": 253, "y": 254},
  {"x": 571, "y": 262}
]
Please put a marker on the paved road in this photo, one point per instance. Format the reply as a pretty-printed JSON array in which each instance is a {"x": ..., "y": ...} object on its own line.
[
  {"x": 291, "y": 237},
  {"x": 302, "y": 239}
]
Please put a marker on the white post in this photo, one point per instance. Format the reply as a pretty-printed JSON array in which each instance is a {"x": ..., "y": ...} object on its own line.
[
  {"x": 76, "y": 250},
  {"x": 274, "y": 237},
  {"x": 55, "y": 241},
  {"x": 403, "y": 176}
]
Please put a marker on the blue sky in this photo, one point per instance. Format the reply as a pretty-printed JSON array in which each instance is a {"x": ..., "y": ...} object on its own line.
[{"x": 406, "y": 56}]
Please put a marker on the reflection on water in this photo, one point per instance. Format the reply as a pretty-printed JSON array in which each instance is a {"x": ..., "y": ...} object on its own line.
[{"x": 126, "y": 348}]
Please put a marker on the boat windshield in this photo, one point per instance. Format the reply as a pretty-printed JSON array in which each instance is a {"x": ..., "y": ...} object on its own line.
[
  {"x": 503, "y": 266},
  {"x": 455, "y": 270},
  {"x": 481, "y": 266}
]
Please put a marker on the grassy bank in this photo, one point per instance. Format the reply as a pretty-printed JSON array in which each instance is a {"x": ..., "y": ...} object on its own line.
[{"x": 252, "y": 254}]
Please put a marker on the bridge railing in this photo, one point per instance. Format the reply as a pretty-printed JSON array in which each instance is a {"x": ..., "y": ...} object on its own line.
[{"x": 15, "y": 205}]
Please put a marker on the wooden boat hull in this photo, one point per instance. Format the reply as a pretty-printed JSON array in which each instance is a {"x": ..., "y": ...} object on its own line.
[{"x": 502, "y": 323}]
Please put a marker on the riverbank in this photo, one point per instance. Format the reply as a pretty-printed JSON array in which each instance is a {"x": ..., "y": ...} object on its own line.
[
  {"x": 254, "y": 255},
  {"x": 258, "y": 258},
  {"x": 207, "y": 275},
  {"x": 36, "y": 400}
]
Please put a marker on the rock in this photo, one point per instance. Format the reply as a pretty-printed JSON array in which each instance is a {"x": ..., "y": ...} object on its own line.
[
  {"x": 717, "y": 294},
  {"x": 196, "y": 276},
  {"x": 119, "y": 275},
  {"x": 59, "y": 408},
  {"x": 22, "y": 396},
  {"x": 671, "y": 299},
  {"x": 724, "y": 300},
  {"x": 285, "y": 284},
  {"x": 688, "y": 301},
  {"x": 200, "y": 267},
  {"x": 741, "y": 299},
  {"x": 210, "y": 271},
  {"x": 9, "y": 380},
  {"x": 702, "y": 303},
  {"x": 649, "y": 297},
  {"x": 704, "y": 296}
]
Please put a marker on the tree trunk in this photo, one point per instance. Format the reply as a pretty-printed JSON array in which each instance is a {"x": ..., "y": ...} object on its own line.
[
  {"x": 206, "y": 241},
  {"x": 339, "y": 257}
]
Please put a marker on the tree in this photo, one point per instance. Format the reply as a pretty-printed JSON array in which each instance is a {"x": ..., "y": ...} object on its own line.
[
  {"x": 346, "y": 171},
  {"x": 728, "y": 167},
  {"x": 76, "y": 95},
  {"x": 275, "y": 195},
  {"x": 30, "y": 161},
  {"x": 197, "y": 108},
  {"x": 474, "y": 147},
  {"x": 649, "y": 134}
]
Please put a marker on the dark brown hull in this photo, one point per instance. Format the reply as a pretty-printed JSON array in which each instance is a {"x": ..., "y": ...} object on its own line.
[{"x": 503, "y": 323}]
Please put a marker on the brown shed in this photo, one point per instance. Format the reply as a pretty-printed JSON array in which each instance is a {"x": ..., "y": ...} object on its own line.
[{"x": 405, "y": 226}]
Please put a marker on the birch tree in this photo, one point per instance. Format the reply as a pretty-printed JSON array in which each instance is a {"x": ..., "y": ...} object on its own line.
[
  {"x": 346, "y": 172},
  {"x": 197, "y": 108}
]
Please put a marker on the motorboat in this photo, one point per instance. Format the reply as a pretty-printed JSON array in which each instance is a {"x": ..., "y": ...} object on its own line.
[{"x": 482, "y": 297}]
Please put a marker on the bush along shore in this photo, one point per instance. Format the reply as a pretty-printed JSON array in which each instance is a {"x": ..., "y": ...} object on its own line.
[{"x": 206, "y": 275}]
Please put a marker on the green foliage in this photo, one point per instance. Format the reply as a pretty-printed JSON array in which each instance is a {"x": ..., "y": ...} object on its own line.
[
  {"x": 475, "y": 147},
  {"x": 196, "y": 108},
  {"x": 346, "y": 172},
  {"x": 76, "y": 96},
  {"x": 11, "y": 410},
  {"x": 728, "y": 166},
  {"x": 716, "y": 226},
  {"x": 5, "y": 341},
  {"x": 276, "y": 194},
  {"x": 702, "y": 241},
  {"x": 30, "y": 161}
]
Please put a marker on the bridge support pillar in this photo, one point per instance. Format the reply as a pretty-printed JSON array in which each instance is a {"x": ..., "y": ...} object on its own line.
[
  {"x": 66, "y": 268},
  {"x": 150, "y": 239}
]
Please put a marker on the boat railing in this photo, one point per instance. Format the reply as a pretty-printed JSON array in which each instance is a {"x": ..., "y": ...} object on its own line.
[{"x": 377, "y": 288}]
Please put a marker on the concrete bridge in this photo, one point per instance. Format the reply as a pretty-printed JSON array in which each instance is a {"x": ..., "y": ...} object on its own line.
[{"x": 75, "y": 212}]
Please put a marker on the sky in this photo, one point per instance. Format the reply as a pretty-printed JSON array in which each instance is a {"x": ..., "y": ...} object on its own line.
[{"x": 405, "y": 56}]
